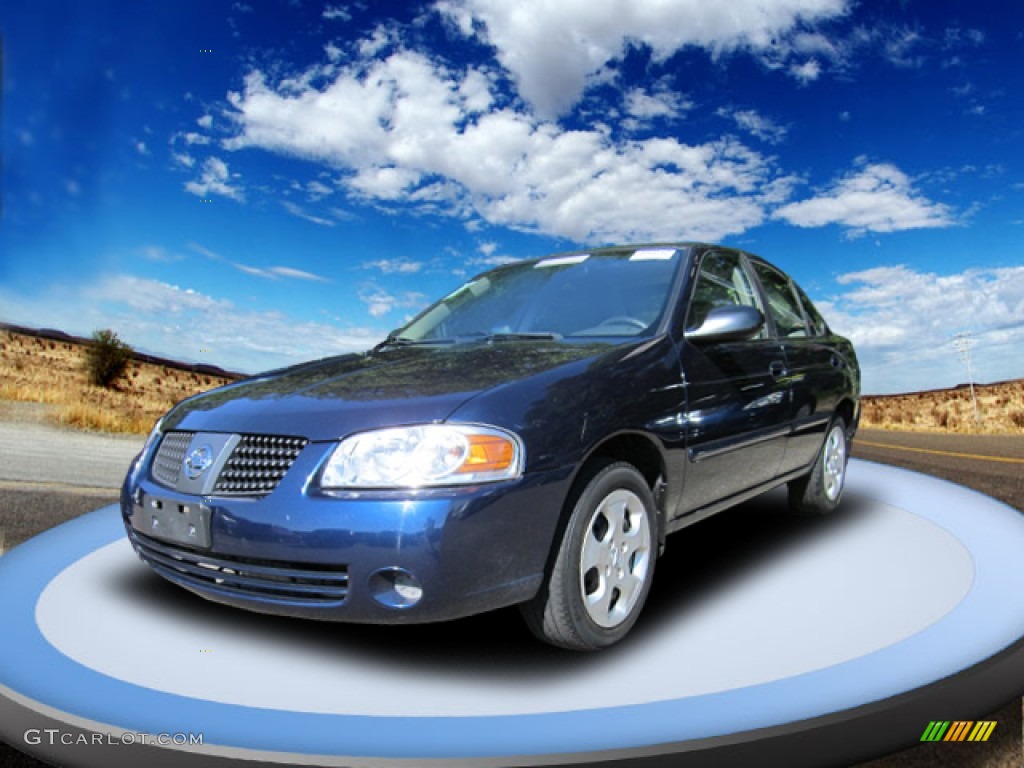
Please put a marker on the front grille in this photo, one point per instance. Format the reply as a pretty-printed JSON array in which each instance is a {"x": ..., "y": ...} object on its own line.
[
  {"x": 305, "y": 582},
  {"x": 167, "y": 464},
  {"x": 257, "y": 464}
]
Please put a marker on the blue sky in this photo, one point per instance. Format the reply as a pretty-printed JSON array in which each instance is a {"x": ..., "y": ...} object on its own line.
[{"x": 252, "y": 184}]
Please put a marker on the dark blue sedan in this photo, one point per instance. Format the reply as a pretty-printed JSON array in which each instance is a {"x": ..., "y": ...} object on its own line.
[{"x": 530, "y": 439}]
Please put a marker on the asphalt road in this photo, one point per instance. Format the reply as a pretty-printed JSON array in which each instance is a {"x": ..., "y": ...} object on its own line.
[
  {"x": 34, "y": 452},
  {"x": 992, "y": 464},
  {"x": 50, "y": 475}
]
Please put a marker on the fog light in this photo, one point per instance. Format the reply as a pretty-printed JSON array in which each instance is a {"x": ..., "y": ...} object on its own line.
[{"x": 395, "y": 588}]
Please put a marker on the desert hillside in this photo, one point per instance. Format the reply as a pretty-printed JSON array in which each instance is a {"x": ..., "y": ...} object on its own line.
[
  {"x": 1000, "y": 410},
  {"x": 53, "y": 371}
]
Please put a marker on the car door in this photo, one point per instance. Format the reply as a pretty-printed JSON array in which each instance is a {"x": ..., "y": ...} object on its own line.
[
  {"x": 737, "y": 395},
  {"x": 815, "y": 369}
]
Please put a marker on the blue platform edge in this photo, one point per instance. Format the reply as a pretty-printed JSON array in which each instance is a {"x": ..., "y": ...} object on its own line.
[{"x": 988, "y": 620}]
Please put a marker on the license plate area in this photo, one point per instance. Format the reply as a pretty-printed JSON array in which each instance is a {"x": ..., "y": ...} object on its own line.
[{"x": 176, "y": 522}]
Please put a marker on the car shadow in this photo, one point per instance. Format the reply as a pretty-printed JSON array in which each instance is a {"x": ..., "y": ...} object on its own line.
[
  {"x": 698, "y": 562},
  {"x": 701, "y": 560}
]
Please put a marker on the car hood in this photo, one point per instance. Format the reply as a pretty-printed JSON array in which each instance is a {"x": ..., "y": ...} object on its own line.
[{"x": 330, "y": 398}]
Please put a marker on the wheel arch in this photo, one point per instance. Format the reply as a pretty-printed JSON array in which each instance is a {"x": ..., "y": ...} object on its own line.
[
  {"x": 636, "y": 448},
  {"x": 850, "y": 415}
]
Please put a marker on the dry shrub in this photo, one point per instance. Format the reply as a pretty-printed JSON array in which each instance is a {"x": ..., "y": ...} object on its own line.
[
  {"x": 940, "y": 416},
  {"x": 88, "y": 416},
  {"x": 107, "y": 358},
  {"x": 31, "y": 394}
]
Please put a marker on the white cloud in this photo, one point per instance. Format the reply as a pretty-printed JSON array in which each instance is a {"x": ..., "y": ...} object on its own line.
[
  {"x": 661, "y": 102},
  {"x": 140, "y": 147},
  {"x": 334, "y": 53},
  {"x": 475, "y": 92},
  {"x": 403, "y": 129},
  {"x": 899, "y": 47},
  {"x": 902, "y": 322},
  {"x": 759, "y": 126},
  {"x": 877, "y": 198},
  {"x": 337, "y": 13},
  {"x": 184, "y": 159},
  {"x": 551, "y": 49},
  {"x": 394, "y": 266},
  {"x": 381, "y": 37},
  {"x": 302, "y": 213},
  {"x": 159, "y": 254},
  {"x": 178, "y": 322},
  {"x": 268, "y": 273},
  {"x": 205, "y": 121},
  {"x": 195, "y": 138},
  {"x": 807, "y": 72},
  {"x": 214, "y": 180},
  {"x": 380, "y": 302},
  {"x": 318, "y": 190},
  {"x": 296, "y": 274},
  {"x": 489, "y": 261},
  {"x": 340, "y": 214},
  {"x": 385, "y": 183},
  {"x": 815, "y": 44},
  {"x": 204, "y": 251}
]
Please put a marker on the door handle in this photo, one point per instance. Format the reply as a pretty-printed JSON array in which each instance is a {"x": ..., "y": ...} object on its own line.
[{"x": 777, "y": 368}]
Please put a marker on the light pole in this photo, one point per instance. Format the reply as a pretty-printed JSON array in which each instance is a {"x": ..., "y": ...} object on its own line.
[{"x": 962, "y": 343}]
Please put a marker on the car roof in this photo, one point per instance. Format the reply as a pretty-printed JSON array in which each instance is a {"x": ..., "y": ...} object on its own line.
[{"x": 606, "y": 250}]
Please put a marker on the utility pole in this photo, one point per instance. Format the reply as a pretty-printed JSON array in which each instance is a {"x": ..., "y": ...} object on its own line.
[{"x": 963, "y": 343}]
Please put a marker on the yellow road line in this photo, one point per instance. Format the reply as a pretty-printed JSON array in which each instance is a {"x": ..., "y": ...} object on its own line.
[{"x": 978, "y": 456}]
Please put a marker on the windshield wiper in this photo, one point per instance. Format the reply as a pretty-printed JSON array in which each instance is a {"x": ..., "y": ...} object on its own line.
[
  {"x": 524, "y": 336},
  {"x": 404, "y": 341}
]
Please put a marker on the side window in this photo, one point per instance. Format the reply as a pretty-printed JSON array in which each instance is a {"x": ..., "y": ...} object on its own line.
[
  {"x": 818, "y": 325},
  {"x": 721, "y": 281},
  {"x": 783, "y": 305}
]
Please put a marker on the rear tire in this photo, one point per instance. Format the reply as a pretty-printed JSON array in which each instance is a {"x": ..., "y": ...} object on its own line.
[
  {"x": 604, "y": 566},
  {"x": 820, "y": 491}
]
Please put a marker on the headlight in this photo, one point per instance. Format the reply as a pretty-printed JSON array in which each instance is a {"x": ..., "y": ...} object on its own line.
[
  {"x": 154, "y": 436},
  {"x": 431, "y": 454}
]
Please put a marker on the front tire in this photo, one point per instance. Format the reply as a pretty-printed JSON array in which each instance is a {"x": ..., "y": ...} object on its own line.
[
  {"x": 819, "y": 492},
  {"x": 604, "y": 566}
]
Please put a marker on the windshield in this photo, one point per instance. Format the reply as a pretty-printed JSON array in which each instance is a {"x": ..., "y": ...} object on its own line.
[{"x": 619, "y": 293}]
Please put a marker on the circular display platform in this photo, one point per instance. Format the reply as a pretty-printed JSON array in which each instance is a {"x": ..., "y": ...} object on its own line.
[{"x": 844, "y": 637}]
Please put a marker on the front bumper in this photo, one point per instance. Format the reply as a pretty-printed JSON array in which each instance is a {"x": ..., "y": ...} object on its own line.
[{"x": 301, "y": 551}]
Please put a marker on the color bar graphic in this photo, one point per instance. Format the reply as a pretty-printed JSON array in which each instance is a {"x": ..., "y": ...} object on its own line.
[
  {"x": 935, "y": 731},
  {"x": 958, "y": 730}
]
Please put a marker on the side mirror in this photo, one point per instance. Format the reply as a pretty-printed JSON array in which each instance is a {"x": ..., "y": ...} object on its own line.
[{"x": 731, "y": 323}]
